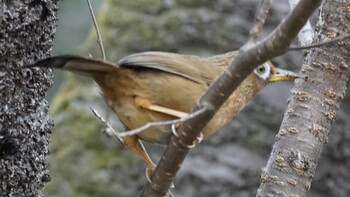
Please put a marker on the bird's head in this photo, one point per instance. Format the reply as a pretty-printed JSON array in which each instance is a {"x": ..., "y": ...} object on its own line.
[
  {"x": 262, "y": 75},
  {"x": 267, "y": 73}
]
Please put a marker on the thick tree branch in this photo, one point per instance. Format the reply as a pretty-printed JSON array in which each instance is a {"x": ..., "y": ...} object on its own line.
[
  {"x": 260, "y": 19},
  {"x": 306, "y": 33},
  {"x": 311, "y": 110},
  {"x": 248, "y": 58}
]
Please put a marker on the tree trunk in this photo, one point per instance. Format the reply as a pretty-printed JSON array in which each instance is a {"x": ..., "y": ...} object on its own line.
[
  {"x": 26, "y": 35},
  {"x": 312, "y": 108}
]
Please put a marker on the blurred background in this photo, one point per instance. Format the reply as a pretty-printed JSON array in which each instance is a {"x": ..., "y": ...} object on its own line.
[
  {"x": 72, "y": 29},
  {"x": 85, "y": 162}
]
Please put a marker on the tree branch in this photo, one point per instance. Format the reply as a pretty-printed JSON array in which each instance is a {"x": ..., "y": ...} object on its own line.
[
  {"x": 319, "y": 44},
  {"x": 260, "y": 19},
  {"x": 248, "y": 58},
  {"x": 98, "y": 34},
  {"x": 306, "y": 33},
  {"x": 311, "y": 110}
]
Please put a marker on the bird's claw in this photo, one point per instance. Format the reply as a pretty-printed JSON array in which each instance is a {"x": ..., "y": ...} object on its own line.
[
  {"x": 149, "y": 172},
  {"x": 194, "y": 143},
  {"x": 173, "y": 130}
]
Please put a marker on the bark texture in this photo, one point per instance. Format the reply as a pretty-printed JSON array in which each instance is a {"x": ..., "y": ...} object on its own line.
[
  {"x": 312, "y": 108},
  {"x": 26, "y": 34}
]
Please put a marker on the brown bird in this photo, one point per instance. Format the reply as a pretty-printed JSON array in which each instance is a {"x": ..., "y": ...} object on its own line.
[{"x": 158, "y": 86}]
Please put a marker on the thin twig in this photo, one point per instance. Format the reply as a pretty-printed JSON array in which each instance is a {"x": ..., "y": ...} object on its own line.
[
  {"x": 334, "y": 40},
  {"x": 109, "y": 129},
  {"x": 99, "y": 38},
  {"x": 260, "y": 19},
  {"x": 162, "y": 123},
  {"x": 111, "y": 132},
  {"x": 100, "y": 43}
]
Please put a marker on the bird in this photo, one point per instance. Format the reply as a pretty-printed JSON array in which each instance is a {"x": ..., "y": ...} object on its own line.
[{"x": 158, "y": 86}]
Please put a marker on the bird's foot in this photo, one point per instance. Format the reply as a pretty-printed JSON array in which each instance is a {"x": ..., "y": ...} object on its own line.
[
  {"x": 194, "y": 143},
  {"x": 149, "y": 172},
  {"x": 197, "y": 141}
]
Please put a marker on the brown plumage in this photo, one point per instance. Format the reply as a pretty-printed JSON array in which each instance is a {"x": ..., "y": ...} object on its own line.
[{"x": 168, "y": 80}]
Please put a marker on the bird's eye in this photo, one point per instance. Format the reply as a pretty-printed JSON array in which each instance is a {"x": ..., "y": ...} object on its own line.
[{"x": 263, "y": 71}]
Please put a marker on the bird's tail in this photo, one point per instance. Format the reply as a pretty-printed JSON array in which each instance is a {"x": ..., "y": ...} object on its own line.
[{"x": 77, "y": 64}]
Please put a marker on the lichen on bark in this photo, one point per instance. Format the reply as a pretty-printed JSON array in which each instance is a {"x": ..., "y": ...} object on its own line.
[{"x": 26, "y": 34}]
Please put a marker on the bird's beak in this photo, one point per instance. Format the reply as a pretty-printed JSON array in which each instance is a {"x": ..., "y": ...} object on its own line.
[{"x": 282, "y": 75}]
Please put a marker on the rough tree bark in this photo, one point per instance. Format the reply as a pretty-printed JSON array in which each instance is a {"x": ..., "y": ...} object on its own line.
[
  {"x": 26, "y": 34},
  {"x": 312, "y": 108}
]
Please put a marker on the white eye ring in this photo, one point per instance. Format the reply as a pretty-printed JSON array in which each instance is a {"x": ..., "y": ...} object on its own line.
[{"x": 263, "y": 71}]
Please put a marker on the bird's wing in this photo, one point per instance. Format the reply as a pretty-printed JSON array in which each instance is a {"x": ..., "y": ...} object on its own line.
[{"x": 193, "y": 68}]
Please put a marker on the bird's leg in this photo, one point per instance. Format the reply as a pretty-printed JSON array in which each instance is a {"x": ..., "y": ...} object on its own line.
[
  {"x": 146, "y": 104},
  {"x": 136, "y": 145}
]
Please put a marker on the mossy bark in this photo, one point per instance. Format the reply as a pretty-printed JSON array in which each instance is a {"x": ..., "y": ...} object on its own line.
[{"x": 26, "y": 33}]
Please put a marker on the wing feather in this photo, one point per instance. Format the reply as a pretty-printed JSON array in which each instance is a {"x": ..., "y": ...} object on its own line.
[{"x": 193, "y": 68}]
